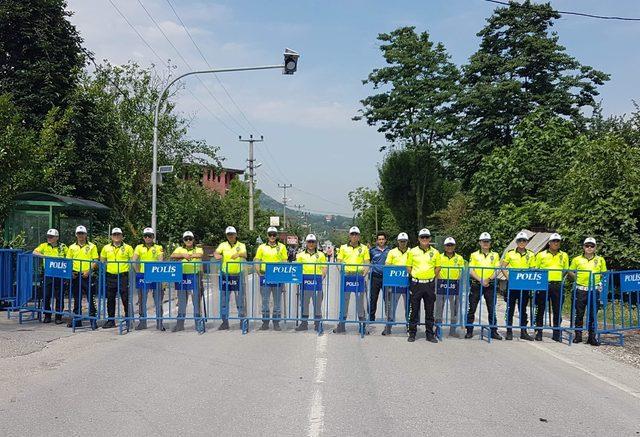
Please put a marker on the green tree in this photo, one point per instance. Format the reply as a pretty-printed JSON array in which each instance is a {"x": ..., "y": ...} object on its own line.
[
  {"x": 16, "y": 154},
  {"x": 369, "y": 203},
  {"x": 601, "y": 198},
  {"x": 531, "y": 167},
  {"x": 519, "y": 66},
  {"x": 418, "y": 86},
  {"x": 413, "y": 111},
  {"x": 41, "y": 55}
]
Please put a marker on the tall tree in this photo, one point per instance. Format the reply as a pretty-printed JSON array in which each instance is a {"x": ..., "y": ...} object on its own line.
[
  {"x": 419, "y": 84},
  {"x": 519, "y": 66},
  {"x": 413, "y": 111},
  {"x": 41, "y": 55}
]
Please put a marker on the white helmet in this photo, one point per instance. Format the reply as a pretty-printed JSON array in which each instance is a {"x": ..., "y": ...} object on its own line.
[
  {"x": 589, "y": 240},
  {"x": 449, "y": 240},
  {"x": 402, "y": 236},
  {"x": 424, "y": 232},
  {"x": 230, "y": 230},
  {"x": 116, "y": 231},
  {"x": 53, "y": 233},
  {"x": 187, "y": 234},
  {"x": 310, "y": 237},
  {"x": 354, "y": 230},
  {"x": 484, "y": 236},
  {"x": 148, "y": 231},
  {"x": 272, "y": 229},
  {"x": 522, "y": 235},
  {"x": 555, "y": 237},
  {"x": 81, "y": 230}
]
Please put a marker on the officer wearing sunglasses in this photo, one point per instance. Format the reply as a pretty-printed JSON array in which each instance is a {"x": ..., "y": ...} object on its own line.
[{"x": 586, "y": 269}]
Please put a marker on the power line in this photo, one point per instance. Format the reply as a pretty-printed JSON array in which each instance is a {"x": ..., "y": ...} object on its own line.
[
  {"x": 580, "y": 14},
  {"x": 124, "y": 17},
  {"x": 316, "y": 195},
  {"x": 188, "y": 65},
  {"x": 136, "y": 31},
  {"x": 186, "y": 29}
]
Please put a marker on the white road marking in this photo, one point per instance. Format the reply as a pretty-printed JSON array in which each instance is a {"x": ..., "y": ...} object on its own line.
[
  {"x": 316, "y": 412},
  {"x": 578, "y": 366}
]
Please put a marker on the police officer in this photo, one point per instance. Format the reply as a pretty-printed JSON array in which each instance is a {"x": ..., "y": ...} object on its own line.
[
  {"x": 148, "y": 251},
  {"x": 84, "y": 255},
  {"x": 397, "y": 256},
  {"x": 232, "y": 253},
  {"x": 272, "y": 251},
  {"x": 518, "y": 258},
  {"x": 52, "y": 248},
  {"x": 448, "y": 269},
  {"x": 314, "y": 270},
  {"x": 378, "y": 255},
  {"x": 118, "y": 256},
  {"x": 191, "y": 257},
  {"x": 483, "y": 276},
  {"x": 589, "y": 267},
  {"x": 557, "y": 262},
  {"x": 421, "y": 264},
  {"x": 355, "y": 256}
]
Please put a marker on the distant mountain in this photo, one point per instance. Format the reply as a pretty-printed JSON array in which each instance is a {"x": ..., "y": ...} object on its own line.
[{"x": 323, "y": 225}]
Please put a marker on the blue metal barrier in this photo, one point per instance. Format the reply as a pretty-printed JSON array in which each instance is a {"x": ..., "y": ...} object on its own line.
[
  {"x": 44, "y": 287},
  {"x": 8, "y": 278},
  {"x": 620, "y": 300}
]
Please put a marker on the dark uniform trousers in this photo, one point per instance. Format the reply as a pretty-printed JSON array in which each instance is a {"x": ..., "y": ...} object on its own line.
[
  {"x": 522, "y": 297},
  {"x": 419, "y": 292},
  {"x": 376, "y": 286},
  {"x": 541, "y": 304},
  {"x": 83, "y": 286},
  {"x": 117, "y": 284},
  {"x": 474, "y": 299}
]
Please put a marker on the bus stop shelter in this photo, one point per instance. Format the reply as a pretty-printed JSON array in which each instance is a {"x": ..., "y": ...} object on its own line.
[{"x": 34, "y": 212}]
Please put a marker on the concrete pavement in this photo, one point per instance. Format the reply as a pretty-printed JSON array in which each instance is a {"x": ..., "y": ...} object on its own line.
[{"x": 293, "y": 383}]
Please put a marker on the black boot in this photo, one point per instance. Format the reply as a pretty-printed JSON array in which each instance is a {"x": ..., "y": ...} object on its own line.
[
  {"x": 276, "y": 325},
  {"x": 495, "y": 335},
  {"x": 265, "y": 325},
  {"x": 509, "y": 335},
  {"x": 179, "y": 326},
  {"x": 387, "y": 330},
  {"x": 109, "y": 324},
  {"x": 469, "y": 333},
  {"x": 47, "y": 318},
  {"x": 412, "y": 337},
  {"x": 303, "y": 326},
  {"x": 431, "y": 338},
  {"x": 142, "y": 325},
  {"x": 58, "y": 319},
  {"x": 224, "y": 326},
  {"x": 557, "y": 336},
  {"x": 524, "y": 335},
  {"x": 578, "y": 337},
  {"x": 592, "y": 340},
  {"x": 538, "y": 335},
  {"x": 339, "y": 329}
]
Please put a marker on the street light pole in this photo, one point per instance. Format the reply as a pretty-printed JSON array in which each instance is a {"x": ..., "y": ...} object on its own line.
[{"x": 287, "y": 67}]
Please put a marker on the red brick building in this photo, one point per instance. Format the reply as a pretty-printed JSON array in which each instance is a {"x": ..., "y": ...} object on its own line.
[{"x": 218, "y": 180}]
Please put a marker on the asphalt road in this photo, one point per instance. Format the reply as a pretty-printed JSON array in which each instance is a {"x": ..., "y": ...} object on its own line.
[{"x": 291, "y": 383}]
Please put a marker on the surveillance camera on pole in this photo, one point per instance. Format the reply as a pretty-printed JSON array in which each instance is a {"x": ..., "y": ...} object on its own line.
[{"x": 290, "y": 61}]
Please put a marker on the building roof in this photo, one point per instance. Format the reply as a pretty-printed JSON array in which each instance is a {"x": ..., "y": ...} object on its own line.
[{"x": 40, "y": 199}]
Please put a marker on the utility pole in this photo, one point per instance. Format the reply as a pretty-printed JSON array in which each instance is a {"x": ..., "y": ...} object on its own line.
[
  {"x": 284, "y": 203},
  {"x": 299, "y": 208},
  {"x": 252, "y": 174}
]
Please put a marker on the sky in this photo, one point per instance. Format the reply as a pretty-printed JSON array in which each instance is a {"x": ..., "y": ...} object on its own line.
[{"x": 310, "y": 140}]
